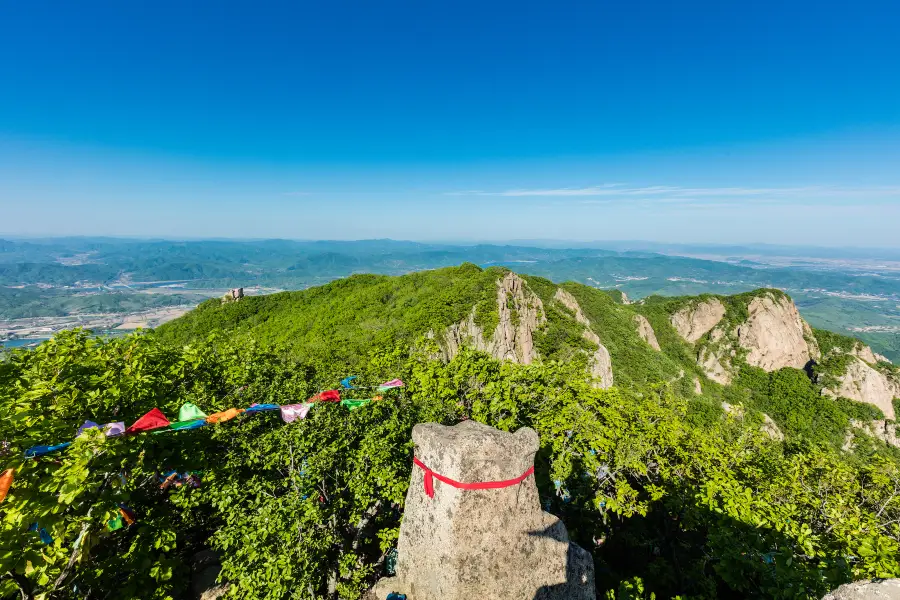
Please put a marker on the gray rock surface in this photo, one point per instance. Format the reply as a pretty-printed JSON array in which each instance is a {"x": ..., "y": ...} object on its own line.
[
  {"x": 712, "y": 364},
  {"x": 495, "y": 543},
  {"x": 883, "y": 589},
  {"x": 886, "y": 431},
  {"x": 774, "y": 334},
  {"x": 863, "y": 383},
  {"x": 513, "y": 338},
  {"x": 693, "y": 321},
  {"x": 645, "y": 330},
  {"x": 600, "y": 364}
]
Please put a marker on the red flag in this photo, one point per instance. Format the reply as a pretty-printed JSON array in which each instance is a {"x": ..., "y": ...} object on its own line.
[
  {"x": 327, "y": 396},
  {"x": 152, "y": 420}
]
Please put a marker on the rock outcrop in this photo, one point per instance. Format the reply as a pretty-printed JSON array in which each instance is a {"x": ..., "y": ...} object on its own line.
[
  {"x": 645, "y": 330},
  {"x": 768, "y": 427},
  {"x": 711, "y": 361},
  {"x": 886, "y": 431},
  {"x": 521, "y": 313},
  {"x": 482, "y": 543},
  {"x": 694, "y": 321},
  {"x": 863, "y": 383},
  {"x": 773, "y": 335},
  {"x": 881, "y": 589},
  {"x": 600, "y": 364},
  {"x": 864, "y": 353}
]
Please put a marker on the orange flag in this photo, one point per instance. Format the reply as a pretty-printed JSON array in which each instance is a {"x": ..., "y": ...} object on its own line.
[
  {"x": 6, "y": 480},
  {"x": 224, "y": 415}
]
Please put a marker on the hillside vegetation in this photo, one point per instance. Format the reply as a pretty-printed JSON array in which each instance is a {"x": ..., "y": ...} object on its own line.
[{"x": 670, "y": 493}]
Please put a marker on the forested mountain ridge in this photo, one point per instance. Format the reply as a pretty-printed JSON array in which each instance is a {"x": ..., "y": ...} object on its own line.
[
  {"x": 714, "y": 349},
  {"x": 744, "y": 480}
]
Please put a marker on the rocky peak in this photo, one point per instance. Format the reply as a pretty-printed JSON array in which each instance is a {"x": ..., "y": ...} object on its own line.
[
  {"x": 774, "y": 334},
  {"x": 693, "y": 321},
  {"x": 645, "y": 330},
  {"x": 600, "y": 364},
  {"x": 521, "y": 313}
]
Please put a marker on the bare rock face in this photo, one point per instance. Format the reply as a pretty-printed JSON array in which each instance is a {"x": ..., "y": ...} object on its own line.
[
  {"x": 886, "y": 431},
  {"x": 864, "y": 384},
  {"x": 711, "y": 361},
  {"x": 771, "y": 429},
  {"x": 513, "y": 338},
  {"x": 491, "y": 543},
  {"x": 645, "y": 330},
  {"x": 768, "y": 427},
  {"x": 882, "y": 589},
  {"x": 698, "y": 389},
  {"x": 601, "y": 363},
  {"x": 692, "y": 322},
  {"x": 515, "y": 341},
  {"x": 863, "y": 352},
  {"x": 465, "y": 333},
  {"x": 774, "y": 334}
]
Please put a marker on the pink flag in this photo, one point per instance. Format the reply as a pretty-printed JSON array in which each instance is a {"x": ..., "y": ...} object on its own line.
[
  {"x": 292, "y": 412},
  {"x": 393, "y": 383}
]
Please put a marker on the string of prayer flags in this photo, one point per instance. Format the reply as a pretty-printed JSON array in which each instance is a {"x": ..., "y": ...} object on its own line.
[
  {"x": 190, "y": 412},
  {"x": 6, "y": 481},
  {"x": 36, "y": 451},
  {"x": 347, "y": 382},
  {"x": 225, "y": 415},
  {"x": 387, "y": 385},
  {"x": 261, "y": 407},
  {"x": 154, "y": 419},
  {"x": 292, "y": 412},
  {"x": 326, "y": 396}
]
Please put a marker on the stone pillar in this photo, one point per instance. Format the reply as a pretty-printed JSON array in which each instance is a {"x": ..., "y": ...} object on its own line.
[{"x": 464, "y": 544}]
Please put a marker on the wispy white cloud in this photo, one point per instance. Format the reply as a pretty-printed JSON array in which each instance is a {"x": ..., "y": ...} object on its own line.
[{"x": 606, "y": 193}]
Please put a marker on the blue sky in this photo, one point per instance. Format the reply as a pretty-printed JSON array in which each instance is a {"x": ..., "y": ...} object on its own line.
[{"x": 670, "y": 121}]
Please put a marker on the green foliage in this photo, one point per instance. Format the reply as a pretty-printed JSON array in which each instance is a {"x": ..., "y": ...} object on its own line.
[
  {"x": 828, "y": 341},
  {"x": 667, "y": 507}
]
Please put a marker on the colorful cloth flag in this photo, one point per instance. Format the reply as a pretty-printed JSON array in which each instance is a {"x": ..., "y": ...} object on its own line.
[
  {"x": 261, "y": 407},
  {"x": 180, "y": 425},
  {"x": 354, "y": 404},
  {"x": 190, "y": 412},
  {"x": 154, "y": 419},
  {"x": 6, "y": 481},
  {"x": 36, "y": 451},
  {"x": 292, "y": 412},
  {"x": 87, "y": 425},
  {"x": 127, "y": 514},
  {"x": 225, "y": 415},
  {"x": 115, "y": 523},
  {"x": 326, "y": 396},
  {"x": 114, "y": 429},
  {"x": 387, "y": 385},
  {"x": 347, "y": 382},
  {"x": 45, "y": 536}
]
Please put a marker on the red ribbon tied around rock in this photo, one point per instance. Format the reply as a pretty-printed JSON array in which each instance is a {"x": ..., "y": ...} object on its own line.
[{"x": 479, "y": 485}]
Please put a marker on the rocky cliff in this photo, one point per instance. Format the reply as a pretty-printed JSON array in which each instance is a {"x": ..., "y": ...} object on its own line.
[
  {"x": 775, "y": 336},
  {"x": 520, "y": 314},
  {"x": 864, "y": 383},
  {"x": 693, "y": 321}
]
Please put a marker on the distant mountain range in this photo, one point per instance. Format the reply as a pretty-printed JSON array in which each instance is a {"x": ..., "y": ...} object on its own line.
[{"x": 847, "y": 290}]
